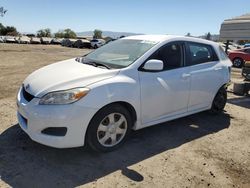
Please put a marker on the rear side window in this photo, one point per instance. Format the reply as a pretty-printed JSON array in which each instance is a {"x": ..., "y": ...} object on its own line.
[
  {"x": 223, "y": 55},
  {"x": 200, "y": 53}
]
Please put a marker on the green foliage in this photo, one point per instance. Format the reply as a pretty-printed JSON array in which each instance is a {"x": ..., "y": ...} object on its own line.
[
  {"x": 8, "y": 30},
  {"x": 97, "y": 34},
  {"x": 67, "y": 33},
  {"x": 44, "y": 33},
  {"x": 59, "y": 34}
]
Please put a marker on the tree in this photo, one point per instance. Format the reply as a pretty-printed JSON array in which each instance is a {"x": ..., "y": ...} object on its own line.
[
  {"x": 44, "y": 33},
  {"x": 188, "y": 34},
  {"x": 97, "y": 34},
  {"x": 67, "y": 33},
  {"x": 208, "y": 36},
  {"x": 8, "y": 30},
  {"x": 59, "y": 34},
  {"x": 2, "y": 28}
]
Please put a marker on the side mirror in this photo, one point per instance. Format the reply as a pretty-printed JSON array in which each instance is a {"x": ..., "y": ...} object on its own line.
[{"x": 153, "y": 65}]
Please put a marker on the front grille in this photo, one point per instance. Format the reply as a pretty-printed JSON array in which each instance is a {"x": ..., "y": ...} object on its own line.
[{"x": 28, "y": 97}]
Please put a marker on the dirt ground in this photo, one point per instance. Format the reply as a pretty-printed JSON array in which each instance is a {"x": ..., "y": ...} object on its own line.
[{"x": 201, "y": 150}]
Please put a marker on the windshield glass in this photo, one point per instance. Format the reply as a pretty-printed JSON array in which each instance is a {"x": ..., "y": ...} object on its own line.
[{"x": 120, "y": 53}]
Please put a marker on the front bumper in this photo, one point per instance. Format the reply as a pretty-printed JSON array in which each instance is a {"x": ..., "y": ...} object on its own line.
[{"x": 34, "y": 118}]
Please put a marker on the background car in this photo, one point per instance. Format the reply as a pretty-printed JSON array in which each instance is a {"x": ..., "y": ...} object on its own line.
[
  {"x": 238, "y": 57},
  {"x": 82, "y": 43},
  {"x": 46, "y": 40},
  {"x": 96, "y": 43},
  {"x": 56, "y": 41},
  {"x": 68, "y": 42},
  {"x": 247, "y": 45},
  {"x": 10, "y": 39},
  {"x": 24, "y": 40},
  {"x": 35, "y": 40}
]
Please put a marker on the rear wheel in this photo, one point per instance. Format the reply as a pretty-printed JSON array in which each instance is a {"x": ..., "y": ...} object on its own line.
[
  {"x": 238, "y": 62},
  {"x": 219, "y": 101},
  {"x": 109, "y": 128}
]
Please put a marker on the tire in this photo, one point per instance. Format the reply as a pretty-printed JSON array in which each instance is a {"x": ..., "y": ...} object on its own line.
[
  {"x": 219, "y": 101},
  {"x": 95, "y": 47},
  {"x": 104, "y": 136},
  {"x": 238, "y": 62}
]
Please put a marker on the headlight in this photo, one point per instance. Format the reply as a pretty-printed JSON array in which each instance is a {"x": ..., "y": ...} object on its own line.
[{"x": 64, "y": 97}]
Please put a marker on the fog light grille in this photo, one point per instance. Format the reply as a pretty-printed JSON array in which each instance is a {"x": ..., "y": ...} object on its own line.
[{"x": 55, "y": 131}]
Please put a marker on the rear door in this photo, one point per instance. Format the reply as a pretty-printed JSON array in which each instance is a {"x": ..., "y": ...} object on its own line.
[{"x": 206, "y": 75}]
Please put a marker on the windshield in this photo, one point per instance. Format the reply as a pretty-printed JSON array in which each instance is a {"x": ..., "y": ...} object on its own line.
[{"x": 120, "y": 53}]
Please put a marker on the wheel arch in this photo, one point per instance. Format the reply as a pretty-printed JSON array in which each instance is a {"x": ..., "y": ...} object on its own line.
[
  {"x": 126, "y": 105},
  {"x": 225, "y": 85}
]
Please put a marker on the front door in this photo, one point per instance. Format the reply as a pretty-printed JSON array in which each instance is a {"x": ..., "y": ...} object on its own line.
[{"x": 165, "y": 93}]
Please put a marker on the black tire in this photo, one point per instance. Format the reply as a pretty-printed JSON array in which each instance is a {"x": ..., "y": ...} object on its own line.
[
  {"x": 238, "y": 62},
  {"x": 95, "y": 47},
  {"x": 219, "y": 101},
  {"x": 92, "y": 132}
]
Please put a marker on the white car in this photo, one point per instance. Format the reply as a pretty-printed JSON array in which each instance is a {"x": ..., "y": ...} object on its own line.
[
  {"x": 131, "y": 83},
  {"x": 96, "y": 43}
]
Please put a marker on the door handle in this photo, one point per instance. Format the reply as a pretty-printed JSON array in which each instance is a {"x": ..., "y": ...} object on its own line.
[{"x": 185, "y": 75}]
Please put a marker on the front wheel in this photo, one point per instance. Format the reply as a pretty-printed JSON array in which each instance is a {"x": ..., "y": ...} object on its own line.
[
  {"x": 109, "y": 128},
  {"x": 219, "y": 101}
]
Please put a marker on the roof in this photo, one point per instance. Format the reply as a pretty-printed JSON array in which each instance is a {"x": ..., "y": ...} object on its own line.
[
  {"x": 237, "y": 28},
  {"x": 162, "y": 38}
]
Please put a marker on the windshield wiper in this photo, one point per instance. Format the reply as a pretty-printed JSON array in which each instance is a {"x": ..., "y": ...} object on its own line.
[{"x": 95, "y": 64}]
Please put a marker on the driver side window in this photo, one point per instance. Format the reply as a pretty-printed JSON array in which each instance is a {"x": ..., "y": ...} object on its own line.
[{"x": 171, "y": 55}]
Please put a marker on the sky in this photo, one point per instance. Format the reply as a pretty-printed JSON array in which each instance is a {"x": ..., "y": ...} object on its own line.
[{"x": 176, "y": 17}]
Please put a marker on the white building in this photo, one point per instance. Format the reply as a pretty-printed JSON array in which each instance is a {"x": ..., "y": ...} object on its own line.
[{"x": 235, "y": 29}]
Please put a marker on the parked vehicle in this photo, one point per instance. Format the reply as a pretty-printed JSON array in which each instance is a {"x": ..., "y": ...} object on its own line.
[
  {"x": 35, "y": 40},
  {"x": 24, "y": 40},
  {"x": 46, "y": 40},
  {"x": 131, "y": 83},
  {"x": 10, "y": 39},
  {"x": 247, "y": 45},
  {"x": 68, "y": 42},
  {"x": 238, "y": 57},
  {"x": 56, "y": 41},
  {"x": 96, "y": 43},
  {"x": 82, "y": 43}
]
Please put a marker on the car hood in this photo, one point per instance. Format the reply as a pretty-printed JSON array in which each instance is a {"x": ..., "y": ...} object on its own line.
[{"x": 65, "y": 75}]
